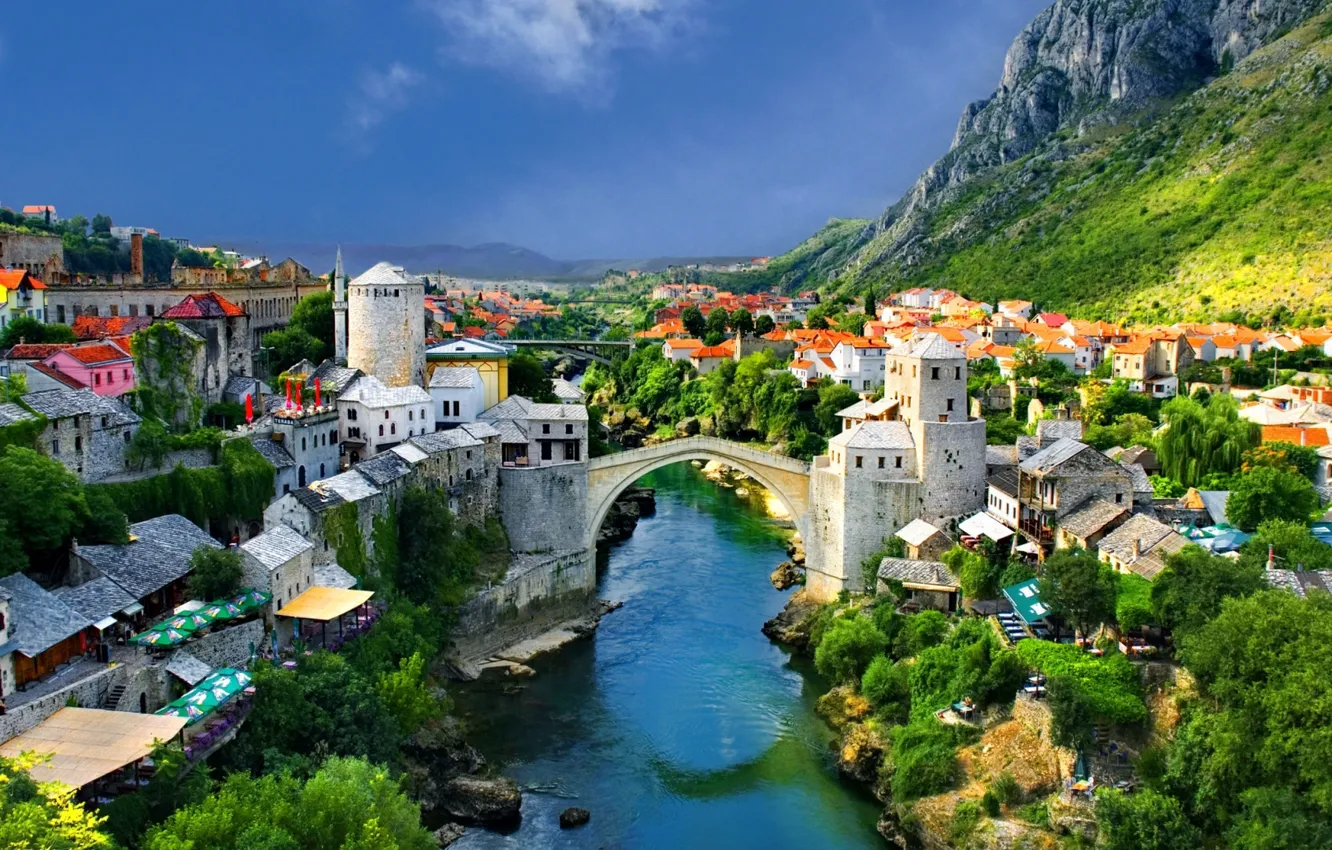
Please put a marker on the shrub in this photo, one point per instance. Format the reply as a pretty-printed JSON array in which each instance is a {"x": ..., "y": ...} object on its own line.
[
  {"x": 1108, "y": 686},
  {"x": 848, "y": 647},
  {"x": 990, "y": 803},
  {"x": 966, "y": 817},
  {"x": 924, "y": 756},
  {"x": 1006, "y": 789}
]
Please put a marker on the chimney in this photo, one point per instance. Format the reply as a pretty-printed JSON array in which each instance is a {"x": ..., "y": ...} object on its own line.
[
  {"x": 1137, "y": 547},
  {"x": 136, "y": 254},
  {"x": 1271, "y": 557}
]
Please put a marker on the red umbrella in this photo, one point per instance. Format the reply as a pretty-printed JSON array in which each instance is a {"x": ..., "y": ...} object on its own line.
[
  {"x": 317, "y": 403},
  {"x": 289, "y": 394},
  {"x": 249, "y": 409}
]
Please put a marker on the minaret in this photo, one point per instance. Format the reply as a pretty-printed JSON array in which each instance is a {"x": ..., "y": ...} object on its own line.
[{"x": 339, "y": 311}]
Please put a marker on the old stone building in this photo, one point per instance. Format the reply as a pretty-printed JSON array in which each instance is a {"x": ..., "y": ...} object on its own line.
[
  {"x": 41, "y": 255},
  {"x": 386, "y": 325},
  {"x": 86, "y": 432}
]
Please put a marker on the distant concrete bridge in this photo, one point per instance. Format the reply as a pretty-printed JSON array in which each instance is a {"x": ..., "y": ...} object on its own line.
[
  {"x": 607, "y": 477},
  {"x": 582, "y": 349}
]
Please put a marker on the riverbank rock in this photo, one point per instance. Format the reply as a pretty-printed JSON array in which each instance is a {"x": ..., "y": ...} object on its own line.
[
  {"x": 574, "y": 817},
  {"x": 842, "y": 706},
  {"x": 718, "y": 473},
  {"x": 795, "y": 549},
  {"x": 622, "y": 518},
  {"x": 448, "y": 833},
  {"x": 439, "y": 749},
  {"x": 688, "y": 427},
  {"x": 785, "y": 576},
  {"x": 860, "y": 754},
  {"x": 792, "y": 624},
  {"x": 474, "y": 799}
]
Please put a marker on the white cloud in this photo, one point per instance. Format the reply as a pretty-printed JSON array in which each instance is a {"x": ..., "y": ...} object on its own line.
[
  {"x": 565, "y": 45},
  {"x": 380, "y": 94}
]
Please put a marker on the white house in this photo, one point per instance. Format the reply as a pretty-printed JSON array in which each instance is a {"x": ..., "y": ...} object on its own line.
[
  {"x": 534, "y": 434},
  {"x": 375, "y": 417},
  {"x": 459, "y": 395},
  {"x": 679, "y": 350}
]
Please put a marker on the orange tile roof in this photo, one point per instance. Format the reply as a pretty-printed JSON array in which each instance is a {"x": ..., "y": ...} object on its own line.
[
  {"x": 1138, "y": 345},
  {"x": 36, "y": 351},
  {"x": 12, "y": 279},
  {"x": 801, "y": 364},
  {"x": 719, "y": 351},
  {"x": 684, "y": 343},
  {"x": 57, "y": 375},
  {"x": 1299, "y": 436},
  {"x": 95, "y": 354},
  {"x": 101, "y": 327}
]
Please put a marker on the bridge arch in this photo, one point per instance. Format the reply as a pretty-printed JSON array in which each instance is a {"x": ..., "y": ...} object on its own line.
[{"x": 608, "y": 477}]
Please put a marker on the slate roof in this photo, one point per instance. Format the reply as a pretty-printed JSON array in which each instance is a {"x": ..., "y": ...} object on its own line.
[
  {"x": 96, "y": 599},
  {"x": 566, "y": 392},
  {"x": 384, "y": 468},
  {"x": 11, "y": 413},
  {"x": 372, "y": 392},
  {"x": 1215, "y": 503},
  {"x": 1134, "y": 454},
  {"x": 38, "y": 620},
  {"x": 158, "y": 553},
  {"x": 59, "y": 404},
  {"x": 239, "y": 386},
  {"x": 332, "y": 377},
  {"x": 317, "y": 500},
  {"x": 518, "y": 407},
  {"x": 917, "y": 532},
  {"x": 935, "y": 347},
  {"x": 855, "y": 411},
  {"x": 385, "y": 274},
  {"x": 1091, "y": 518},
  {"x": 510, "y": 432},
  {"x": 410, "y": 453},
  {"x": 187, "y": 668},
  {"x": 351, "y": 486},
  {"x": 1050, "y": 430},
  {"x": 443, "y": 441},
  {"x": 1026, "y": 447},
  {"x": 479, "y": 430},
  {"x": 273, "y": 452},
  {"x": 1156, "y": 540},
  {"x": 1001, "y": 455},
  {"x": 1142, "y": 482},
  {"x": 455, "y": 378},
  {"x": 1053, "y": 456},
  {"x": 1300, "y": 582},
  {"x": 1005, "y": 481},
  {"x": 276, "y": 546},
  {"x": 931, "y": 573},
  {"x": 331, "y": 575},
  {"x": 875, "y": 435}
]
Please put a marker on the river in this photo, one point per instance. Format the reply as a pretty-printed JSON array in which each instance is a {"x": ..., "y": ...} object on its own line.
[{"x": 679, "y": 724}]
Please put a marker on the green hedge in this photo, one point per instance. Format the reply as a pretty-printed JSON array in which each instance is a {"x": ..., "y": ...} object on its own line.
[
  {"x": 1109, "y": 686},
  {"x": 240, "y": 486}
]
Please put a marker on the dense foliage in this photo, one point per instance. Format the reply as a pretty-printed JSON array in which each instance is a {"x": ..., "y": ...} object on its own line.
[
  {"x": 1199, "y": 439},
  {"x": 215, "y": 573},
  {"x": 44, "y": 816}
]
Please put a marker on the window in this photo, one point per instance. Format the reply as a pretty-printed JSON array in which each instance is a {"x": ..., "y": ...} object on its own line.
[
  {"x": 386, "y": 414},
  {"x": 469, "y": 454},
  {"x": 128, "y": 436},
  {"x": 934, "y": 373},
  {"x": 957, "y": 373},
  {"x": 423, "y": 415},
  {"x": 333, "y": 437},
  {"x": 55, "y": 447},
  {"x": 149, "y": 309},
  {"x": 381, "y": 430},
  {"x": 97, "y": 379},
  {"x": 897, "y": 461},
  {"x": 300, "y": 477},
  {"x": 393, "y": 427},
  {"x": 859, "y": 461},
  {"x": 950, "y": 404},
  {"x": 545, "y": 449},
  {"x": 410, "y": 415},
  {"x": 1119, "y": 498},
  {"x": 126, "y": 374},
  {"x": 571, "y": 450},
  {"x": 568, "y": 429},
  {"x": 351, "y": 414},
  {"x": 913, "y": 370},
  {"x": 545, "y": 429},
  {"x": 302, "y": 444},
  {"x": 321, "y": 471},
  {"x": 469, "y": 475},
  {"x": 78, "y": 444},
  {"x": 457, "y": 409},
  {"x": 880, "y": 463}
]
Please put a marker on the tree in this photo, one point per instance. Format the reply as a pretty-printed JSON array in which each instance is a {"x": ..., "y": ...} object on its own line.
[
  {"x": 527, "y": 378},
  {"x": 1070, "y": 716},
  {"x": 1189, "y": 591},
  {"x": 29, "y": 330},
  {"x": 44, "y": 502},
  {"x": 1268, "y": 493},
  {"x": 764, "y": 325},
  {"x": 431, "y": 564},
  {"x": 313, "y": 314},
  {"x": 978, "y": 575},
  {"x": 405, "y": 695},
  {"x": 718, "y": 319},
  {"x": 833, "y": 398},
  {"x": 106, "y": 521},
  {"x": 847, "y": 648},
  {"x": 1146, "y": 820},
  {"x": 1199, "y": 440},
  {"x": 101, "y": 223},
  {"x": 817, "y": 323},
  {"x": 149, "y": 446},
  {"x": 852, "y": 323},
  {"x": 1292, "y": 545},
  {"x": 1079, "y": 589},
  {"x": 1003, "y": 430},
  {"x": 44, "y": 815},
  {"x": 742, "y": 322},
  {"x": 291, "y": 346},
  {"x": 215, "y": 573},
  {"x": 692, "y": 320},
  {"x": 1301, "y": 460},
  {"x": 871, "y": 307}
]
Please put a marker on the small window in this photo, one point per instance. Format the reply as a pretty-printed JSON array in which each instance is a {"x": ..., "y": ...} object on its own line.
[
  {"x": 381, "y": 430},
  {"x": 950, "y": 404},
  {"x": 456, "y": 409},
  {"x": 386, "y": 414},
  {"x": 469, "y": 475},
  {"x": 934, "y": 373},
  {"x": 55, "y": 447},
  {"x": 881, "y": 463},
  {"x": 302, "y": 444},
  {"x": 568, "y": 429},
  {"x": 1119, "y": 498},
  {"x": 78, "y": 444},
  {"x": 97, "y": 379},
  {"x": 859, "y": 461},
  {"x": 957, "y": 372},
  {"x": 897, "y": 461},
  {"x": 545, "y": 429},
  {"x": 393, "y": 427},
  {"x": 411, "y": 415}
]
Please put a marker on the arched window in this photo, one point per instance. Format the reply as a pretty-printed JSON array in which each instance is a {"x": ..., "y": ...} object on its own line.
[
  {"x": 393, "y": 427},
  {"x": 321, "y": 471},
  {"x": 300, "y": 477},
  {"x": 469, "y": 475},
  {"x": 381, "y": 430},
  {"x": 302, "y": 444}
]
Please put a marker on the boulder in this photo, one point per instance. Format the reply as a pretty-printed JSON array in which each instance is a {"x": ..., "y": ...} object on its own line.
[
  {"x": 574, "y": 817},
  {"x": 439, "y": 749},
  {"x": 860, "y": 754},
  {"x": 688, "y": 427},
  {"x": 792, "y": 625},
  {"x": 707, "y": 426},
  {"x": 448, "y": 833},
  {"x": 631, "y": 440},
  {"x": 785, "y": 576},
  {"x": 473, "y": 799}
]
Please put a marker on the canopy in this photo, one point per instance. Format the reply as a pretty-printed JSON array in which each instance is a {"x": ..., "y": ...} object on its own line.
[
  {"x": 192, "y": 621},
  {"x": 224, "y": 610},
  {"x": 162, "y": 635},
  {"x": 1026, "y": 599},
  {"x": 88, "y": 743},
  {"x": 325, "y": 603},
  {"x": 205, "y": 697},
  {"x": 984, "y": 525}
]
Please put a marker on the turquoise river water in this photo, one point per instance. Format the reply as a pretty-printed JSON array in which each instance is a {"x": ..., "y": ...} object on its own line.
[{"x": 679, "y": 724}]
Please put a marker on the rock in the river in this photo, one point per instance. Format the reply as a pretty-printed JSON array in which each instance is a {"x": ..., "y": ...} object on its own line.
[
  {"x": 791, "y": 626},
  {"x": 795, "y": 549},
  {"x": 786, "y": 575},
  {"x": 477, "y": 800},
  {"x": 448, "y": 833},
  {"x": 622, "y": 518},
  {"x": 573, "y": 817}
]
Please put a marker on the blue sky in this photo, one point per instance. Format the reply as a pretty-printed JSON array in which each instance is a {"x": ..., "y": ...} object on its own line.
[{"x": 578, "y": 128}]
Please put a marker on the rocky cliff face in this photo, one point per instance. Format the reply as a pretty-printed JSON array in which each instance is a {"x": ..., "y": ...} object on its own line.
[{"x": 1079, "y": 64}]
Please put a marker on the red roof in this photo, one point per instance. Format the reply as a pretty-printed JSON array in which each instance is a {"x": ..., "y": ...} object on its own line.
[
  {"x": 57, "y": 375},
  {"x": 36, "y": 351},
  {"x": 95, "y": 354},
  {"x": 101, "y": 327},
  {"x": 1298, "y": 436},
  {"x": 210, "y": 305},
  {"x": 12, "y": 279},
  {"x": 714, "y": 351},
  {"x": 1052, "y": 320}
]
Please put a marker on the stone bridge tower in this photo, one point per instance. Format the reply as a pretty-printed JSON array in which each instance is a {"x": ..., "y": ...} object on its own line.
[{"x": 386, "y": 333}]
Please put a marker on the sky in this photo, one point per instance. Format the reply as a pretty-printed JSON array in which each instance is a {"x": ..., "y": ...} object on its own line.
[{"x": 577, "y": 128}]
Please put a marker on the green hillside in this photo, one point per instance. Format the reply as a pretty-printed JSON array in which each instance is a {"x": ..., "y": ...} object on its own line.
[{"x": 1219, "y": 201}]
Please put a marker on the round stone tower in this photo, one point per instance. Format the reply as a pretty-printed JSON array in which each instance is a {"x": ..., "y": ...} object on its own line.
[{"x": 386, "y": 325}]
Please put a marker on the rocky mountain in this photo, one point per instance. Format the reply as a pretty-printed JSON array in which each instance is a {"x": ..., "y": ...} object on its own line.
[{"x": 1075, "y": 130}]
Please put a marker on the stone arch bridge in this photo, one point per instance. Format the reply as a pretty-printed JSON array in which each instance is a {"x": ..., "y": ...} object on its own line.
[{"x": 607, "y": 477}]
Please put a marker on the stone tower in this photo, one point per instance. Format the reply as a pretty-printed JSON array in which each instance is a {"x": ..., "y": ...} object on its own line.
[
  {"x": 386, "y": 333},
  {"x": 339, "y": 311}
]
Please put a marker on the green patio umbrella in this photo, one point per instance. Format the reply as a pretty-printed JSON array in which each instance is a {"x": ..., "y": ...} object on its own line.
[
  {"x": 189, "y": 712},
  {"x": 225, "y": 683},
  {"x": 224, "y": 610},
  {"x": 251, "y": 600},
  {"x": 190, "y": 621},
  {"x": 162, "y": 635}
]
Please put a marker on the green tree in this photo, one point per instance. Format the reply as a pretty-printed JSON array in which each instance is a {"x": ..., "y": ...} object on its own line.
[
  {"x": 887, "y": 686},
  {"x": 29, "y": 330},
  {"x": 692, "y": 320},
  {"x": 817, "y": 323},
  {"x": 979, "y": 575},
  {"x": 1291, "y": 543},
  {"x": 1003, "y": 430},
  {"x": 149, "y": 446},
  {"x": 1199, "y": 440},
  {"x": 44, "y": 816},
  {"x": 852, "y": 323},
  {"x": 718, "y": 319},
  {"x": 1301, "y": 460},
  {"x": 405, "y": 695},
  {"x": 45, "y": 505},
  {"x": 215, "y": 573},
  {"x": 1267, "y": 493},
  {"x": 1079, "y": 589},
  {"x": 433, "y": 564},
  {"x": 1189, "y": 591},
  {"x": 291, "y": 346},
  {"x": 527, "y": 378},
  {"x": 847, "y": 648},
  {"x": 106, "y": 521},
  {"x": 871, "y": 306},
  {"x": 742, "y": 322},
  {"x": 101, "y": 223},
  {"x": 833, "y": 398},
  {"x": 314, "y": 315},
  {"x": 764, "y": 325},
  {"x": 1146, "y": 820}
]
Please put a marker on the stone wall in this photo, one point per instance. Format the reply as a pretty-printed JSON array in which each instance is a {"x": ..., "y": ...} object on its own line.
[
  {"x": 386, "y": 332},
  {"x": 31, "y": 253},
  {"x": 538, "y": 593},
  {"x": 753, "y": 344},
  {"x": 90, "y": 692},
  {"x": 147, "y": 686},
  {"x": 229, "y": 647},
  {"x": 952, "y": 469},
  {"x": 850, "y": 517},
  {"x": 544, "y": 508},
  {"x": 188, "y": 458}
]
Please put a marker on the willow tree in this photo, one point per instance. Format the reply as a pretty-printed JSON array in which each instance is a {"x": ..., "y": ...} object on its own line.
[{"x": 1200, "y": 439}]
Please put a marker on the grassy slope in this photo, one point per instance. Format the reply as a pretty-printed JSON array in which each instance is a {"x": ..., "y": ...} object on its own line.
[
  {"x": 807, "y": 265},
  {"x": 1224, "y": 201}
]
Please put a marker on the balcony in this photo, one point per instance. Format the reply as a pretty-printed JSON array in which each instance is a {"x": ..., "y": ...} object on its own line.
[{"x": 1034, "y": 527}]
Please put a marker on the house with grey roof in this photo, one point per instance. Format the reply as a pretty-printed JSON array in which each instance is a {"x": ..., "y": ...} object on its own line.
[
  {"x": 878, "y": 449},
  {"x": 100, "y": 600},
  {"x": 566, "y": 392},
  {"x": 306, "y": 509},
  {"x": 1141, "y": 546},
  {"x": 1059, "y": 480},
  {"x": 86, "y": 432},
  {"x": 43, "y": 631},
  {"x": 281, "y": 562},
  {"x": 459, "y": 395},
  {"x": 1085, "y": 527},
  {"x": 539, "y": 434},
  {"x": 376, "y": 417},
  {"x": 152, "y": 568},
  {"x": 1302, "y": 583},
  {"x": 924, "y": 541},
  {"x": 929, "y": 584}
]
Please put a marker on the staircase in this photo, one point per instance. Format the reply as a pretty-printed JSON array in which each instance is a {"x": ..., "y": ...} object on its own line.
[{"x": 113, "y": 698}]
